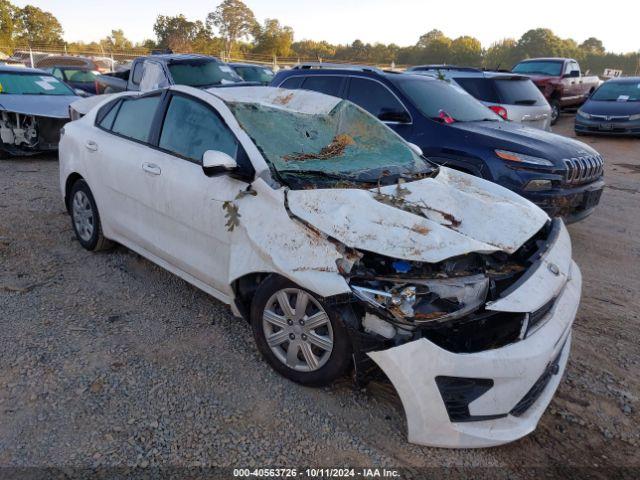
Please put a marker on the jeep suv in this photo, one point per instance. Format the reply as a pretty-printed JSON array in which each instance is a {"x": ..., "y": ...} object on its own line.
[{"x": 561, "y": 175}]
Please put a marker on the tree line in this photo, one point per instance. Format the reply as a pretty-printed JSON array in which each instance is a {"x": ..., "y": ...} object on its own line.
[{"x": 232, "y": 30}]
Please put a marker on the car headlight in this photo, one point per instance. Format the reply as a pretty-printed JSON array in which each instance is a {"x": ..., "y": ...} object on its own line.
[
  {"x": 424, "y": 300},
  {"x": 522, "y": 158},
  {"x": 584, "y": 114},
  {"x": 634, "y": 117}
]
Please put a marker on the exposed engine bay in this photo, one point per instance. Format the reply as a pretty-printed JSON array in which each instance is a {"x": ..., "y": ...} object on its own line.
[
  {"x": 400, "y": 301},
  {"x": 28, "y": 134}
]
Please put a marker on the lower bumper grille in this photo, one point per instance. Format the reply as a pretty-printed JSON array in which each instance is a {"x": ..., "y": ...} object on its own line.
[{"x": 532, "y": 395}]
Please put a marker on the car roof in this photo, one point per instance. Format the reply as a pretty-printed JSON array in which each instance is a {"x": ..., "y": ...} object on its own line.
[
  {"x": 298, "y": 101},
  {"x": 12, "y": 69},
  {"x": 623, "y": 80},
  {"x": 470, "y": 73},
  {"x": 359, "y": 70},
  {"x": 240, "y": 64},
  {"x": 546, "y": 59},
  {"x": 167, "y": 57}
]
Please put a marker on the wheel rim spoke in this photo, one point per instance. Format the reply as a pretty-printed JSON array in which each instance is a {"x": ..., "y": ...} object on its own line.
[
  {"x": 292, "y": 354},
  {"x": 283, "y": 301},
  {"x": 320, "y": 341},
  {"x": 317, "y": 320},
  {"x": 278, "y": 338},
  {"x": 302, "y": 300},
  {"x": 309, "y": 356},
  {"x": 275, "y": 319}
]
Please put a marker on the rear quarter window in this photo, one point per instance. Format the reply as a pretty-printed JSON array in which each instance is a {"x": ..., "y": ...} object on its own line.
[{"x": 480, "y": 88}]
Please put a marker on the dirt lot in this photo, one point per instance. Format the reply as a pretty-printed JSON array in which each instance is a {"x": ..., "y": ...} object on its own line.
[{"x": 108, "y": 360}]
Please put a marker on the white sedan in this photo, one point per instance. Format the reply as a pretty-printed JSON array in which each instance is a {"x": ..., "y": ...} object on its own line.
[{"x": 340, "y": 244}]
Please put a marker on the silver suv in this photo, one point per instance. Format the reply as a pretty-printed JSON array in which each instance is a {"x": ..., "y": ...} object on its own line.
[{"x": 513, "y": 97}]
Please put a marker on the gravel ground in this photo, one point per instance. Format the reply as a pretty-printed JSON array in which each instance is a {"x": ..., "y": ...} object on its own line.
[{"x": 107, "y": 360}]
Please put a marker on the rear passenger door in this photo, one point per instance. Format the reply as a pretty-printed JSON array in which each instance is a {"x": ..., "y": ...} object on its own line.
[
  {"x": 119, "y": 148},
  {"x": 377, "y": 99}
]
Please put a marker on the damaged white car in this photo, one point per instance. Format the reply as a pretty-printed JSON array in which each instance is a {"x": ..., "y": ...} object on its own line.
[
  {"x": 342, "y": 246},
  {"x": 34, "y": 106}
]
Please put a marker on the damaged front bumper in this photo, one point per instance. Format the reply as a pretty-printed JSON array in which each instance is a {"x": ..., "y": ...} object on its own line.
[{"x": 491, "y": 397}]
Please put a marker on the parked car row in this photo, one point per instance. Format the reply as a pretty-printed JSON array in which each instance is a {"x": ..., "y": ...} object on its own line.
[{"x": 355, "y": 217}]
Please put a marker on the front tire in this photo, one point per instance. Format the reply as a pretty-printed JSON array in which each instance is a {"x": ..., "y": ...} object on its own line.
[
  {"x": 298, "y": 334},
  {"x": 85, "y": 218},
  {"x": 555, "y": 111}
]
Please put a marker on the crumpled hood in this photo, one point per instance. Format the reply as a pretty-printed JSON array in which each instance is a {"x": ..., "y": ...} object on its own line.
[
  {"x": 522, "y": 139},
  {"x": 54, "y": 106},
  {"x": 452, "y": 214}
]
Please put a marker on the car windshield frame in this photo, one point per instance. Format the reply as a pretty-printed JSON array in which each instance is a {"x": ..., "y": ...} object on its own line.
[
  {"x": 203, "y": 73},
  {"x": 346, "y": 146},
  {"x": 455, "y": 103},
  {"x": 43, "y": 84},
  {"x": 534, "y": 70},
  {"x": 632, "y": 87}
]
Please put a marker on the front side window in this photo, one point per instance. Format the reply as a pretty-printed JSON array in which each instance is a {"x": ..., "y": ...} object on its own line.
[
  {"x": 191, "y": 128},
  {"x": 440, "y": 101},
  {"x": 135, "y": 116},
  {"x": 329, "y": 85},
  {"x": 375, "y": 98},
  {"x": 32, "y": 84}
]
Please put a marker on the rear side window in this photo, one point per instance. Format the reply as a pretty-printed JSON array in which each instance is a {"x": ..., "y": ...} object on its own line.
[
  {"x": 327, "y": 84},
  {"x": 480, "y": 88},
  {"x": 519, "y": 92},
  {"x": 135, "y": 116},
  {"x": 190, "y": 129},
  {"x": 292, "y": 82}
]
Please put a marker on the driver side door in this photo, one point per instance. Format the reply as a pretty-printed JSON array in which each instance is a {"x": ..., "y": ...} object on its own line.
[{"x": 188, "y": 204}]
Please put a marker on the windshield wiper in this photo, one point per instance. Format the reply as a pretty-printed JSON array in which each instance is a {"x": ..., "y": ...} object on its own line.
[{"x": 321, "y": 173}]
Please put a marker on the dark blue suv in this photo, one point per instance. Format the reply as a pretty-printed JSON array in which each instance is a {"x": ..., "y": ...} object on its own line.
[{"x": 561, "y": 175}]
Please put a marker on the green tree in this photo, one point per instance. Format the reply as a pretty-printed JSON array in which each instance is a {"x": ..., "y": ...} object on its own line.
[
  {"x": 273, "y": 39},
  {"x": 593, "y": 45},
  {"x": 178, "y": 33},
  {"x": 502, "y": 55},
  {"x": 37, "y": 27},
  {"x": 466, "y": 51},
  {"x": 234, "y": 20},
  {"x": 432, "y": 47},
  {"x": 7, "y": 12},
  {"x": 313, "y": 49},
  {"x": 116, "y": 41},
  {"x": 540, "y": 42}
]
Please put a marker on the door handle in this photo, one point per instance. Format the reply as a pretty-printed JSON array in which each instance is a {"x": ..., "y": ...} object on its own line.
[
  {"x": 91, "y": 145},
  {"x": 151, "y": 168}
]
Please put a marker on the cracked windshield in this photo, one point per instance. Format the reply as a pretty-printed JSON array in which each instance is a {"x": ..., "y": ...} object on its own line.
[{"x": 345, "y": 148}]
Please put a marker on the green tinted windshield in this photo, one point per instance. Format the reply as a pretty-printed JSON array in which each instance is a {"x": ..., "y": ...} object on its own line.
[
  {"x": 255, "y": 74},
  {"x": 79, "y": 76},
  {"x": 618, "y": 91},
  {"x": 347, "y": 140},
  {"x": 32, "y": 84},
  {"x": 202, "y": 73}
]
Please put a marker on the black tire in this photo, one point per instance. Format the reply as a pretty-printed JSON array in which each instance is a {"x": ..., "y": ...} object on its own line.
[
  {"x": 555, "y": 111},
  {"x": 337, "y": 361},
  {"x": 96, "y": 241}
]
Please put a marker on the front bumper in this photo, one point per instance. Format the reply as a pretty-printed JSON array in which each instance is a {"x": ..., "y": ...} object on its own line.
[
  {"x": 602, "y": 127},
  {"x": 523, "y": 376},
  {"x": 570, "y": 204}
]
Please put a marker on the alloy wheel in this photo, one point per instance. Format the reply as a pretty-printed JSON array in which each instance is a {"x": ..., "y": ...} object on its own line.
[
  {"x": 297, "y": 329},
  {"x": 83, "y": 217}
]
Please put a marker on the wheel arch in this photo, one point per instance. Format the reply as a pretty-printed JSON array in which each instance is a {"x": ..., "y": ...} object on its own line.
[{"x": 70, "y": 181}]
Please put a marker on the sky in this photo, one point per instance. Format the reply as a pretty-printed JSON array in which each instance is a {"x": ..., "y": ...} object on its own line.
[{"x": 387, "y": 21}]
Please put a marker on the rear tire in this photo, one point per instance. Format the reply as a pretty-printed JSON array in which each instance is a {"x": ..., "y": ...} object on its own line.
[
  {"x": 310, "y": 346},
  {"x": 85, "y": 218}
]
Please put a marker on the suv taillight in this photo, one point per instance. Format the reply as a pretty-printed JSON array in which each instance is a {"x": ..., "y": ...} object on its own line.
[{"x": 500, "y": 111}]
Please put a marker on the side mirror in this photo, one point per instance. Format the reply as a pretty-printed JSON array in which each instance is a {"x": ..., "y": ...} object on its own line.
[
  {"x": 394, "y": 116},
  {"x": 416, "y": 149},
  {"x": 215, "y": 162}
]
